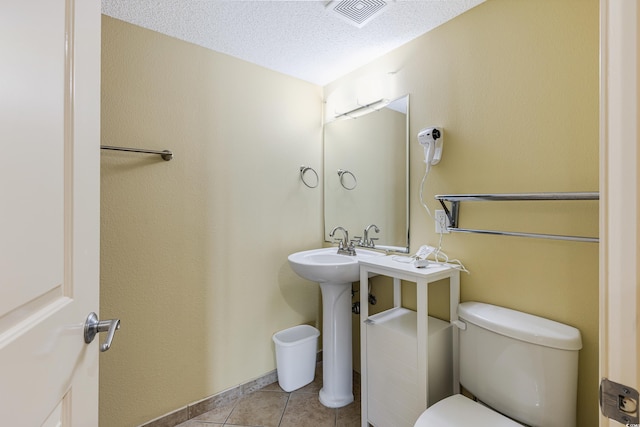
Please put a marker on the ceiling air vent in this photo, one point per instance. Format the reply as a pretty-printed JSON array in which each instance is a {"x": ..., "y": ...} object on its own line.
[{"x": 358, "y": 12}]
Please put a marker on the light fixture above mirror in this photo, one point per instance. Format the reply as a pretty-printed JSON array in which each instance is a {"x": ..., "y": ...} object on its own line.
[{"x": 361, "y": 110}]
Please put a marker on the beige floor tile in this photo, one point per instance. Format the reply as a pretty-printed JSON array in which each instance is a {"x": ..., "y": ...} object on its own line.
[
  {"x": 260, "y": 408},
  {"x": 273, "y": 407},
  {"x": 196, "y": 423},
  {"x": 217, "y": 415},
  {"x": 349, "y": 416},
  {"x": 305, "y": 410}
]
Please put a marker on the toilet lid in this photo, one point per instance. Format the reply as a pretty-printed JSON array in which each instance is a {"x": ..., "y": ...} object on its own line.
[{"x": 459, "y": 411}]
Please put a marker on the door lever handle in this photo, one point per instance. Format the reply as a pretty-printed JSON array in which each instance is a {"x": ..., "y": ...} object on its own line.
[{"x": 92, "y": 326}]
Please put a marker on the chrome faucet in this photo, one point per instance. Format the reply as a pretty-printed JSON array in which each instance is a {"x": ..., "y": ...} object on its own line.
[
  {"x": 366, "y": 240},
  {"x": 345, "y": 247}
]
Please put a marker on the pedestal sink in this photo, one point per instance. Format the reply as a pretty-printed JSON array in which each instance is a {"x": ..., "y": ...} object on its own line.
[{"x": 334, "y": 273}]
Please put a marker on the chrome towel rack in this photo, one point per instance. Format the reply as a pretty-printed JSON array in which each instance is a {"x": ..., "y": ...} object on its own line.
[
  {"x": 165, "y": 154},
  {"x": 454, "y": 212}
]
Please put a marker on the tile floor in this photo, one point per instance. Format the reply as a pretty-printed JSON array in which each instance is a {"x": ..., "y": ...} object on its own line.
[{"x": 273, "y": 407}]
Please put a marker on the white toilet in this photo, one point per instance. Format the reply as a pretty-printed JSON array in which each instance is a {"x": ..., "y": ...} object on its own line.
[{"x": 523, "y": 369}]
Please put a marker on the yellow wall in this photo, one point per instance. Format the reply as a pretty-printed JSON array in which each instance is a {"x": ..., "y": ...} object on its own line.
[
  {"x": 515, "y": 86},
  {"x": 194, "y": 251}
]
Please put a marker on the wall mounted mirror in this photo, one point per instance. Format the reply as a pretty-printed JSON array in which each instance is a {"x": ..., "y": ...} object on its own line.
[{"x": 366, "y": 175}]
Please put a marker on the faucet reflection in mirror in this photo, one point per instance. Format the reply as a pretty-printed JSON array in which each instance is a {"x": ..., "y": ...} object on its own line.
[
  {"x": 366, "y": 241},
  {"x": 376, "y": 146}
]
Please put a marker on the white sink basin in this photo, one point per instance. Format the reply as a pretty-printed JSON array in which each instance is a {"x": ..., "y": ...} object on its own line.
[
  {"x": 334, "y": 272},
  {"x": 326, "y": 265}
]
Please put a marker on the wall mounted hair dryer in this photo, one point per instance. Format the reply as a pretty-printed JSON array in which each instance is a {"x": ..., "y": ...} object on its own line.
[{"x": 431, "y": 139}]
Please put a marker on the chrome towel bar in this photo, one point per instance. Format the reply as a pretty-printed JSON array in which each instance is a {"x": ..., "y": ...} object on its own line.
[
  {"x": 455, "y": 199},
  {"x": 165, "y": 154}
]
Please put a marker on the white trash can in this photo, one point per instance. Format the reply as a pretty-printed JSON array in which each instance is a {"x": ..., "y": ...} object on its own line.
[{"x": 296, "y": 356}]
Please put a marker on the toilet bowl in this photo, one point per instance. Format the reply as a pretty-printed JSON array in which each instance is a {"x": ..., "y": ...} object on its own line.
[
  {"x": 519, "y": 365},
  {"x": 458, "y": 410}
]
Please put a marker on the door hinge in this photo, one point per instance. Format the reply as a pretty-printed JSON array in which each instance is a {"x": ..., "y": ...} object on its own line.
[{"x": 618, "y": 402}]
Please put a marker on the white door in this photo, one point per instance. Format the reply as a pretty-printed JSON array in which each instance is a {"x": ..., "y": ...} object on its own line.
[
  {"x": 620, "y": 202},
  {"x": 49, "y": 210}
]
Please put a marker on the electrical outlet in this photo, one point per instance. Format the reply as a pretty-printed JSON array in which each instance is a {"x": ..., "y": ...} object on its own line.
[{"x": 442, "y": 222}]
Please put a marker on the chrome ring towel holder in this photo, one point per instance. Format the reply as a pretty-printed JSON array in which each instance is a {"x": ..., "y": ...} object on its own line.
[
  {"x": 342, "y": 173},
  {"x": 303, "y": 171}
]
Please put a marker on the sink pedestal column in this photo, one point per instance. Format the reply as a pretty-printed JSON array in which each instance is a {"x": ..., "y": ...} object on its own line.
[{"x": 337, "y": 366}]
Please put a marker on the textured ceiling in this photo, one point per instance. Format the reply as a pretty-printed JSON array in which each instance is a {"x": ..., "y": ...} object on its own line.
[{"x": 305, "y": 39}]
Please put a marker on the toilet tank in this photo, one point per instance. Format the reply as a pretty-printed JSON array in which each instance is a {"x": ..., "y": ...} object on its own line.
[{"x": 521, "y": 365}]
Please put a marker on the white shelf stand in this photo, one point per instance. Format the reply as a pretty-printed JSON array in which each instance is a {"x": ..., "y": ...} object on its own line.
[{"x": 387, "y": 266}]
